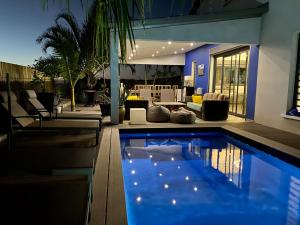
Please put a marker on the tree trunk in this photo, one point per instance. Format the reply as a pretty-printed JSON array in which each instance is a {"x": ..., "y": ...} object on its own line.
[{"x": 72, "y": 98}]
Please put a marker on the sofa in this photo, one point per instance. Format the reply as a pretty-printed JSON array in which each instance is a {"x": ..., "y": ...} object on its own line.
[{"x": 213, "y": 107}]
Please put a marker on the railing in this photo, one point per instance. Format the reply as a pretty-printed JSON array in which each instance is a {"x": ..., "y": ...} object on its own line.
[{"x": 155, "y": 89}]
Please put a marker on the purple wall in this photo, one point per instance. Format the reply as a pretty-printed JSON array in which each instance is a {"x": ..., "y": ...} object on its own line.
[
  {"x": 252, "y": 80},
  {"x": 200, "y": 56}
]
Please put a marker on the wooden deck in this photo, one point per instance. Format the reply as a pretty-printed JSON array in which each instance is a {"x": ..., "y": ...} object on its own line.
[{"x": 38, "y": 151}]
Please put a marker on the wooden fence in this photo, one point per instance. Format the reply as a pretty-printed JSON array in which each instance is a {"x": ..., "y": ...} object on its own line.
[
  {"x": 21, "y": 77},
  {"x": 16, "y": 72}
]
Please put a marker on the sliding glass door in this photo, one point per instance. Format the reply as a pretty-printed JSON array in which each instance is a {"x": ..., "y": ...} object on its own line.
[{"x": 230, "y": 78}]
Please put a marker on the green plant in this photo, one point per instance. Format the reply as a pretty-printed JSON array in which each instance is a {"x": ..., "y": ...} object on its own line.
[
  {"x": 49, "y": 66},
  {"x": 74, "y": 47}
]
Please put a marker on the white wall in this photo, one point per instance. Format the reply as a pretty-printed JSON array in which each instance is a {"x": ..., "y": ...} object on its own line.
[
  {"x": 163, "y": 60},
  {"x": 276, "y": 70},
  {"x": 230, "y": 31}
]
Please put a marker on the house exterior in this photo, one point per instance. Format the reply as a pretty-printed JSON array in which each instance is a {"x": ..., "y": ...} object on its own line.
[{"x": 259, "y": 32}]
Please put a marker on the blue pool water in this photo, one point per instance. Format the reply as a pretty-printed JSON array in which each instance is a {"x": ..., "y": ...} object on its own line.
[{"x": 206, "y": 179}]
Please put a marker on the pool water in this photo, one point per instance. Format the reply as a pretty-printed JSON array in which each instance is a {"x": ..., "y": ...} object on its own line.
[{"x": 206, "y": 178}]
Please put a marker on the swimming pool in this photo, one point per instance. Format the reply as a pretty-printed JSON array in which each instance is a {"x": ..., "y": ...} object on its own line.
[{"x": 206, "y": 178}]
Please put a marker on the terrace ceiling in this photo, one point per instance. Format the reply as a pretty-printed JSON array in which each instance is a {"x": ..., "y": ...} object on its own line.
[{"x": 154, "y": 48}]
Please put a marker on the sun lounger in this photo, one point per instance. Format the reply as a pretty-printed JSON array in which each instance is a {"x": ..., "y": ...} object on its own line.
[
  {"x": 40, "y": 109},
  {"x": 24, "y": 121},
  {"x": 47, "y": 200}
]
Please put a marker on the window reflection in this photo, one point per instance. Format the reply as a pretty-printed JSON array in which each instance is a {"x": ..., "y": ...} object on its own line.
[{"x": 293, "y": 202}]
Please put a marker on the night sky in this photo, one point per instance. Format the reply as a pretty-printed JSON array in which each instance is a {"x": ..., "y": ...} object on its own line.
[{"x": 22, "y": 21}]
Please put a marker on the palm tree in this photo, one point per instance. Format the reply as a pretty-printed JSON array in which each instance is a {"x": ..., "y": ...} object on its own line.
[
  {"x": 75, "y": 47},
  {"x": 112, "y": 15},
  {"x": 65, "y": 45}
]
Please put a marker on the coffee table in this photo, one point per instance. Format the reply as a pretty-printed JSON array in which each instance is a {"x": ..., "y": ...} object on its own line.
[{"x": 170, "y": 105}]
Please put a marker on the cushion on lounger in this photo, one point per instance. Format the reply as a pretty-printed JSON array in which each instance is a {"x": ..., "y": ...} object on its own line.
[
  {"x": 4, "y": 97},
  {"x": 31, "y": 94},
  {"x": 158, "y": 114},
  {"x": 183, "y": 116}
]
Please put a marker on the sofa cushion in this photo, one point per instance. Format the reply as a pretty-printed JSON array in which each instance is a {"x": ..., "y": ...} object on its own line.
[
  {"x": 214, "y": 97},
  {"x": 221, "y": 97},
  {"x": 183, "y": 116},
  {"x": 197, "y": 99},
  {"x": 158, "y": 114},
  {"x": 133, "y": 97},
  {"x": 194, "y": 106}
]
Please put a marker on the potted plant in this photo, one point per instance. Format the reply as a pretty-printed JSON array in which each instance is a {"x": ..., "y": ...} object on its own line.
[{"x": 123, "y": 97}]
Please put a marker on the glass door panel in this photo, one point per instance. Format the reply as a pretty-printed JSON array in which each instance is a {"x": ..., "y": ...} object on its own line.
[
  {"x": 233, "y": 89},
  {"x": 231, "y": 72},
  {"x": 241, "y": 96},
  {"x": 218, "y": 74},
  {"x": 227, "y": 69}
]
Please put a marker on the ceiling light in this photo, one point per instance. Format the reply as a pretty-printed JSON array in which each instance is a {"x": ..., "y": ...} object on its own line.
[
  {"x": 129, "y": 58},
  {"x": 153, "y": 55},
  {"x": 169, "y": 42},
  {"x": 192, "y": 44},
  {"x": 157, "y": 52},
  {"x": 174, "y": 202},
  {"x": 131, "y": 55},
  {"x": 134, "y": 51},
  {"x": 175, "y": 52},
  {"x": 182, "y": 49},
  {"x": 163, "y": 47},
  {"x": 166, "y": 186},
  {"x": 137, "y": 46},
  {"x": 132, "y": 172}
]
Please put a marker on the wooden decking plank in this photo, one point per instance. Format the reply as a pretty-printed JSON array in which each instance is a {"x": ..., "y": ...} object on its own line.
[
  {"x": 116, "y": 212},
  {"x": 98, "y": 210}
]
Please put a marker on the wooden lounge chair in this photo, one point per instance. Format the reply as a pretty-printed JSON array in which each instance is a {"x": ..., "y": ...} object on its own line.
[
  {"x": 40, "y": 109},
  {"x": 167, "y": 95},
  {"x": 24, "y": 121}
]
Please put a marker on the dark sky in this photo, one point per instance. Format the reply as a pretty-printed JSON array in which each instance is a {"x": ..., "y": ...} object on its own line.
[{"x": 22, "y": 21}]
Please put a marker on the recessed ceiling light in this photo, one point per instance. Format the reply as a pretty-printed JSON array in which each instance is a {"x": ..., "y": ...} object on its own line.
[
  {"x": 182, "y": 49},
  {"x": 192, "y": 44},
  {"x": 169, "y": 42},
  {"x": 153, "y": 55},
  {"x": 137, "y": 46},
  {"x": 134, "y": 51},
  {"x": 163, "y": 47},
  {"x": 175, "y": 52},
  {"x": 157, "y": 52},
  {"x": 129, "y": 58},
  {"x": 131, "y": 55}
]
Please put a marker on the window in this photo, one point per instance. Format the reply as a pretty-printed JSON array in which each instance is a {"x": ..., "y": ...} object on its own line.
[{"x": 297, "y": 81}]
